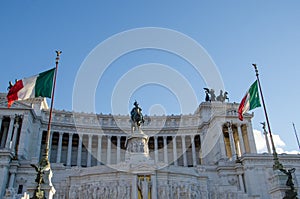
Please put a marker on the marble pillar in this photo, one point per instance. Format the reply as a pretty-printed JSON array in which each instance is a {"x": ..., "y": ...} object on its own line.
[
  {"x": 193, "y": 150},
  {"x": 58, "y": 157},
  {"x": 79, "y": 152},
  {"x": 175, "y": 150},
  {"x": 165, "y": 149},
  {"x": 155, "y": 149},
  {"x": 69, "y": 157},
  {"x": 241, "y": 139},
  {"x": 10, "y": 131},
  {"x": 89, "y": 152},
  {"x": 184, "y": 150},
  {"x": 99, "y": 151}
]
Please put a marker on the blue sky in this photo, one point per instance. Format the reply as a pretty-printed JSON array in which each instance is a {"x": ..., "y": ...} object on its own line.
[{"x": 235, "y": 34}]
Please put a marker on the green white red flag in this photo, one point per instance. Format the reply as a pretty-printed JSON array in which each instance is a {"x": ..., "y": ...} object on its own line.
[
  {"x": 250, "y": 100},
  {"x": 36, "y": 86}
]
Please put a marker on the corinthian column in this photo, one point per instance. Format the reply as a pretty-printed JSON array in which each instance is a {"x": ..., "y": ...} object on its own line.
[
  {"x": 108, "y": 150},
  {"x": 165, "y": 150},
  {"x": 155, "y": 149},
  {"x": 99, "y": 150},
  {"x": 89, "y": 152},
  {"x": 193, "y": 150},
  {"x": 15, "y": 135},
  {"x": 232, "y": 145},
  {"x": 69, "y": 158},
  {"x": 50, "y": 145},
  {"x": 79, "y": 150},
  {"x": 58, "y": 156},
  {"x": 175, "y": 151},
  {"x": 10, "y": 130},
  {"x": 242, "y": 145},
  {"x": 118, "y": 148},
  {"x": 184, "y": 150}
]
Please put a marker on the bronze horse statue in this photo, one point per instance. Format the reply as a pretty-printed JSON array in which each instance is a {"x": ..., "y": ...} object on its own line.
[{"x": 136, "y": 117}]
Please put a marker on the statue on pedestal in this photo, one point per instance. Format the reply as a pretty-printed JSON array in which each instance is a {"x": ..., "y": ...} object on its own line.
[
  {"x": 289, "y": 194},
  {"x": 43, "y": 176},
  {"x": 137, "y": 150},
  {"x": 38, "y": 193},
  {"x": 136, "y": 117}
]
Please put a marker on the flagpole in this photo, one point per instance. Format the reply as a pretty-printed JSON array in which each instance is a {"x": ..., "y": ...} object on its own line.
[
  {"x": 44, "y": 164},
  {"x": 46, "y": 155},
  {"x": 296, "y": 135},
  {"x": 277, "y": 164}
]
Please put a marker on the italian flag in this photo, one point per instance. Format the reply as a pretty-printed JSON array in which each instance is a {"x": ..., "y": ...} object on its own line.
[
  {"x": 36, "y": 86},
  {"x": 249, "y": 101}
]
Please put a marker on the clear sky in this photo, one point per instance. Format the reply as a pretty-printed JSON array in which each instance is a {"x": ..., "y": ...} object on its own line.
[{"x": 234, "y": 34}]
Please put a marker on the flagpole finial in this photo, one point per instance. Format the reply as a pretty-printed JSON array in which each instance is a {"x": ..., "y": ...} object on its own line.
[
  {"x": 255, "y": 67},
  {"x": 58, "y": 52}
]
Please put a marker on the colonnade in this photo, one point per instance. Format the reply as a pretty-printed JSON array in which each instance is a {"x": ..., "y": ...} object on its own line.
[
  {"x": 82, "y": 149},
  {"x": 9, "y": 131},
  {"x": 238, "y": 140}
]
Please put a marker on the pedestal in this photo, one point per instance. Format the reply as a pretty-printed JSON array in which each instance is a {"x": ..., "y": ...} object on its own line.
[
  {"x": 279, "y": 188},
  {"x": 137, "y": 158},
  {"x": 46, "y": 189},
  {"x": 137, "y": 148}
]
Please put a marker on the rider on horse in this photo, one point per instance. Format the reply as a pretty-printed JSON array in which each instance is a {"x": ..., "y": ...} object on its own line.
[{"x": 136, "y": 116}]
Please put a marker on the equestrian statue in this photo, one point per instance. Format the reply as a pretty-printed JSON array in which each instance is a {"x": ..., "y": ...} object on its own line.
[{"x": 136, "y": 117}]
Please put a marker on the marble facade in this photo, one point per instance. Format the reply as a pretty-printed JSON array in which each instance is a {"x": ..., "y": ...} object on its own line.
[{"x": 95, "y": 156}]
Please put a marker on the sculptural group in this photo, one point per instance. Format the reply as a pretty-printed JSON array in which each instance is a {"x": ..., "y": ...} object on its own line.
[{"x": 211, "y": 96}]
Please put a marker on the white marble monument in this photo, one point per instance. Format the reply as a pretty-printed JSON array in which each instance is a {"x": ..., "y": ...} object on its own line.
[{"x": 104, "y": 156}]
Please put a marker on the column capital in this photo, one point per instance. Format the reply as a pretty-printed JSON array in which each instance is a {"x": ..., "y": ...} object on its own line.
[
  {"x": 238, "y": 124},
  {"x": 17, "y": 117},
  {"x": 70, "y": 135},
  {"x": 229, "y": 127},
  {"x": 183, "y": 137},
  {"x": 51, "y": 133},
  {"x": 100, "y": 136},
  {"x": 90, "y": 135},
  {"x": 192, "y": 137},
  {"x": 61, "y": 133},
  {"x": 13, "y": 169},
  {"x": 247, "y": 124},
  {"x": 165, "y": 137}
]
